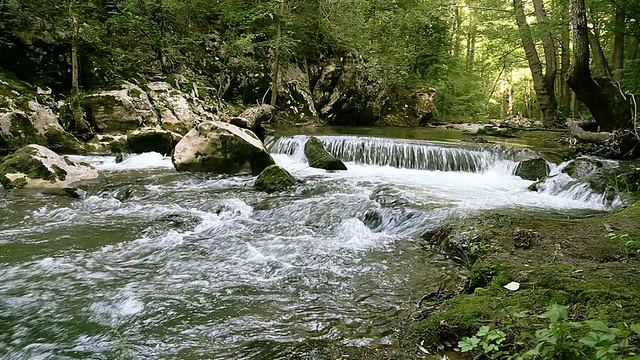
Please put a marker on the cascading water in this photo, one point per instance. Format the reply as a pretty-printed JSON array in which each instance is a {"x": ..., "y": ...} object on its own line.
[{"x": 151, "y": 263}]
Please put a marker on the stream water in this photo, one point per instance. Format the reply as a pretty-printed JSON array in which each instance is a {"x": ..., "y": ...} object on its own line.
[{"x": 154, "y": 264}]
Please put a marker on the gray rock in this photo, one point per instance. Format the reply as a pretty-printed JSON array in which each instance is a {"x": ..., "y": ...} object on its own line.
[
  {"x": 176, "y": 114},
  {"x": 120, "y": 110},
  {"x": 319, "y": 157},
  {"x": 219, "y": 147},
  {"x": 581, "y": 168},
  {"x": 533, "y": 169}
]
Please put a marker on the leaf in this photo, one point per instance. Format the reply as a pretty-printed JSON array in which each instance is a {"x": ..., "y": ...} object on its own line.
[
  {"x": 484, "y": 330},
  {"x": 591, "y": 340},
  {"x": 635, "y": 328},
  {"x": 557, "y": 313},
  {"x": 468, "y": 343},
  {"x": 598, "y": 325},
  {"x": 512, "y": 286},
  {"x": 521, "y": 314}
]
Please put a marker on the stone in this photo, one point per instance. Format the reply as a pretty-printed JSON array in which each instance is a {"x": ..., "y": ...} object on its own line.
[
  {"x": 581, "y": 168},
  {"x": 534, "y": 169},
  {"x": 150, "y": 139},
  {"x": 35, "y": 124},
  {"x": 176, "y": 113},
  {"x": 219, "y": 147},
  {"x": 120, "y": 110},
  {"x": 36, "y": 167},
  {"x": 273, "y": 179},
  {"x": 319, "y": 157}
]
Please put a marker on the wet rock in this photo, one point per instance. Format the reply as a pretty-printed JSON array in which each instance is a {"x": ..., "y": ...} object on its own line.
[
  {"x": 273, "y": 179},
  {"x": 319, "y": 157},
  {"x": 533, "y": 169},
  {"x": 119, "y": 158},
  {"x": 219, "y": 147},
  {"x": 120, "y": 110},
  {"x": 582, "y": 167},
  {"x": 36, "y": 167},
  {"x": 150, "y": 139}
]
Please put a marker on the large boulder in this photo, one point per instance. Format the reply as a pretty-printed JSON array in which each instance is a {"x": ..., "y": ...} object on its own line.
[
  {"x": 151, "y": 139},
  {"x": 273, "y": 179},
  {"x": 120, "y": 110},
  {"x": 176, "y": 114},
  {"x": 219, "y": 147},
  {"x": 533, "y": 169},
  {"x": 252, "y": 119},
  {"x": 295, "y": 94},
  {"x": 36, "y": 167},
  {"x": 34, "y": 124},
  {"x": 319, "y": 157}
]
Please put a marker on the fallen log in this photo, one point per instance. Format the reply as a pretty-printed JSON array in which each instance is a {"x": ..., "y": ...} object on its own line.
[{"x": 587, "y": 136}]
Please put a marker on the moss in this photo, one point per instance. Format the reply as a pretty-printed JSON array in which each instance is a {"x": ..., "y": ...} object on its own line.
[
  {"x": 134, "y": 93},
  {"x": 147, "y": 141},
  {"x": 23, "y": 161},
  {"x": 318, "y": 157},
  {"x": 18, "y": 183},
  {"x": 62, "y": 142},
  {"x": 273, "y": 179},
  {"x": 534, "y": 169},
  {"x": 120, "y": 146},
  {"x": 61, "y": 173}
]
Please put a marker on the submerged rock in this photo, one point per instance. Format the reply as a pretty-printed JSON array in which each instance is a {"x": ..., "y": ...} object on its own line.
[
  {"x": 273, "y": 179},
  {"x": 533, "y": 169},
  {"x": 150, "y": 139},
  {"x": 319, "y": 157},
  {"x": 36, "y": 167},
  {"x": 219, "y": 147}
]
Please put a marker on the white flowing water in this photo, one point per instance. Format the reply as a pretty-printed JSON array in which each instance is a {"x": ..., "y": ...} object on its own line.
[{"x": 154, "y": 264}]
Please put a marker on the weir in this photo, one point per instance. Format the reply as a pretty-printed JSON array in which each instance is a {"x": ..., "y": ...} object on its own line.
[{"x": 406, "y": 154}]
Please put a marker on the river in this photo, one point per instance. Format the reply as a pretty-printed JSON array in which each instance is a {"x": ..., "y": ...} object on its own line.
[{"x": 149, "y": 263}]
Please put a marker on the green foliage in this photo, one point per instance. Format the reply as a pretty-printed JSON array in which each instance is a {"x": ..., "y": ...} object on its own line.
[{"x": 562, "y": 339}]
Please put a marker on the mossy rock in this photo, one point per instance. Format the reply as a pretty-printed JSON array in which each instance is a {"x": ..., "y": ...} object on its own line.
[
  {"x": 533, "y": 169},
  {"x": 23, "y": 161},
  {"x": 580, "y": 168},
  {"x": 274, "y": 179},
  {"x": 159, "y": 141},
  {"x": 319, "y": 157}
]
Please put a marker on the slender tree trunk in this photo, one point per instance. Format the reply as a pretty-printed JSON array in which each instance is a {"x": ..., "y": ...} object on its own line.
[
  {"x": 456, "y": 32},
  {"x": 79, "y": 125},
  {"x": 471, "y": 43},
  {"x": 545, "y": 97},
  {"x": 565, "y": 60},
  {"x": 550, "y": 55},
  {"x": 605, "y": 103},
  {"x": 617, "y": 56},
  {"x": 276, "y": 60}
]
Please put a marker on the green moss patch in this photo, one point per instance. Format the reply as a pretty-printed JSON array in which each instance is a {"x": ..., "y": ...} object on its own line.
[{"x": 23, "y": 161}]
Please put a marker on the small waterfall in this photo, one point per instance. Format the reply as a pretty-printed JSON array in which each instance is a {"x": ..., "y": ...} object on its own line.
[{"x": 418, "y": 155}]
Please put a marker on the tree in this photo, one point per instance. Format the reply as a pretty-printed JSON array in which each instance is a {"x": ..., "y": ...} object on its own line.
[
  {"x": 610, "y": 109},
  {"x": 543, "y": 83}
]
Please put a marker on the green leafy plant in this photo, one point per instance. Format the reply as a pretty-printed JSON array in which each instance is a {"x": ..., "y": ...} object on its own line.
[{"x": 488, "y": 341}]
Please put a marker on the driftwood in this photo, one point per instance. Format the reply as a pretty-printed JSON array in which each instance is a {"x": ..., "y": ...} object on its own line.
[{"x": 587, "y": 136}]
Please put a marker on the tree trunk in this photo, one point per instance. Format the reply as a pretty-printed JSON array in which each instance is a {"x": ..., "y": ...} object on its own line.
[
  {"x": 471, "y": 43},
  {"x": 600, "y": 61},
  {"x": 565, "y": 59},
  {"x": 276, "y": 60},
  {"x": 609, "y": 109},
  {"x": 617, "y": 56},
  {"x": 587, "y": 136},
  {"x": 79, "y": 125},
  {"x": 550, "y": 56},
  {"x": 545, "y": 97}
]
